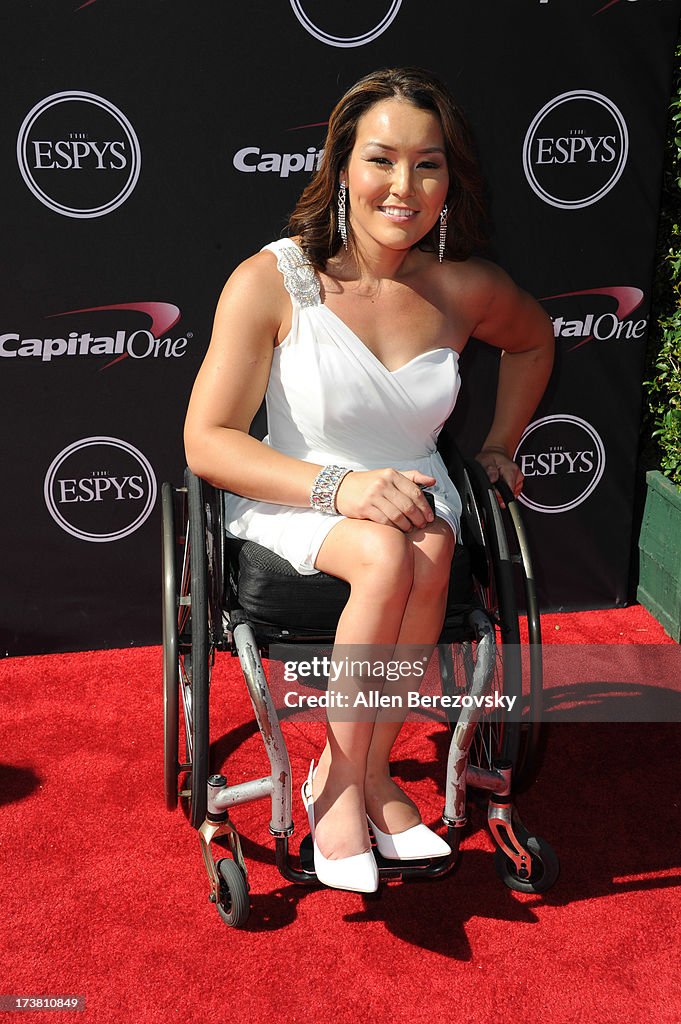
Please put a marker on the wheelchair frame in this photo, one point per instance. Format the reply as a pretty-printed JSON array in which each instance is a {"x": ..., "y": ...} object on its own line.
[{"x": 495, "y": 758}]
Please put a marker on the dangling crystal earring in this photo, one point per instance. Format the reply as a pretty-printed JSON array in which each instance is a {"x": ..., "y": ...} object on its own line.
[
  {"x": 443, "y": 233},
  {"x": 341, "y": 213}
]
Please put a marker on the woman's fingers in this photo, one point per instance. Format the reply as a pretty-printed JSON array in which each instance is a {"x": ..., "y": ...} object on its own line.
[
  {"x": 510, "y": 472},
  {"x": 411, "y": 484},
  {"x": 417, "y": 477},
  {"x": 498, "y": 465},
  {"x": 386, "y": 496},
  {"x": 406, "y": 506}
]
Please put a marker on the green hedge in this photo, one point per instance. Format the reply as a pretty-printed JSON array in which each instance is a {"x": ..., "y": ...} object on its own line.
[{"x": 663, "y": 422}]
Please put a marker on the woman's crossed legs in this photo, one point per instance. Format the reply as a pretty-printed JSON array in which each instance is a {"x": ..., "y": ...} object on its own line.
[{"x": 399, "y": 585}]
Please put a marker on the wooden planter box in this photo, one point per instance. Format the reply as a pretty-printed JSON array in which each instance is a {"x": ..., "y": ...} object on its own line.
[{"x": 659, "y": 588}]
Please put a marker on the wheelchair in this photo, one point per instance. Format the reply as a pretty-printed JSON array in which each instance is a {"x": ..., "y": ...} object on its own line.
[{"x": 221, "y": 594}]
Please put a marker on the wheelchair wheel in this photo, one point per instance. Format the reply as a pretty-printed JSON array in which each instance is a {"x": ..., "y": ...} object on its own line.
[
  {"x": 197, "y": 660},
  {"x": 532, "y": 733},
  {"x": 497, "y": 736},
  {"x": 200, "y": 629},
  {"x": 233, "y": 905},
  {"x": 503, "y": 576},
  {"x": 171, "y": 672},
  {"x": 544, "y": 865}
]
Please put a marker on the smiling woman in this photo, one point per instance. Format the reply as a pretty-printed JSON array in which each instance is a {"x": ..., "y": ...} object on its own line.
[
  {"x": 352, "y": 329},
  {"x": 397, "y": 175},
  {"x": 449, "y": 137}
]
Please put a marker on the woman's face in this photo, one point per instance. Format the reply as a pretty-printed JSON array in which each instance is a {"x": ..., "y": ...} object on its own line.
[{"x": 397, "y": 175}]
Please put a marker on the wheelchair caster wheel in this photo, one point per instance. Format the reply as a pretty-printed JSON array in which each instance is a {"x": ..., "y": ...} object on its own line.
[
  {"x": 233, "y": 905},
  {"x": 544, "y": 867}
]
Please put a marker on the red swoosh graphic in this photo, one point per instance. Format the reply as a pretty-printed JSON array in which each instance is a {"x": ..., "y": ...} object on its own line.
[
  {"x": 317, "y": 124},
  {"x": 601, "y": 9},
  {"x": 163, "y": 316},
  {"x": 628, "y": 300},
  {"x": 86, "y": 4}
]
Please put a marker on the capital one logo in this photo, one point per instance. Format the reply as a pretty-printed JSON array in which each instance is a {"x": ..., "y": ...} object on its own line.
[
  {"x": 100, "y": 489},
  {"x": 352, "y": 23},
  {"x": 100, "y": 334},
  {"x": 584, "y": 316},
  {"x": 78, "y": 154},
  {"x": 562, "y": 458},
  {"x": 575, "y": 149}
]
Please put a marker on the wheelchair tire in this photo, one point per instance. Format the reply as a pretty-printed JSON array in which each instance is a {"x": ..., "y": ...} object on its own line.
[
  {"x": 544, "y": 866},
  {"x": 171, "y": 671},
  {"x": 198, "y": 666},
  {"x": 233, "y": 905},
  {"x": 532, "y": 733},
  {"x": 495, "y": 592}
]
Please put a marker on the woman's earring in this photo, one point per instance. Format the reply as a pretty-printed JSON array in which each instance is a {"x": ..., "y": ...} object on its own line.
[
  {"x": 341, "y": 213},
  {"x": 443, "y": 233}
]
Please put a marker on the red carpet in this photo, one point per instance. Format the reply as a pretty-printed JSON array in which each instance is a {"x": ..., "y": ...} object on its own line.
[{"x": 105, "y": 894}]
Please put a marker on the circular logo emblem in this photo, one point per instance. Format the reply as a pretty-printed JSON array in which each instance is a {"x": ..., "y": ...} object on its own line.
[
  {"x": 562, "y": 459},
  {"x": 368, "y": 18},
  {"x": 78, "y": 154},
  {"x": 576, "y": 149},
  {"x": 100, "y": 489}
]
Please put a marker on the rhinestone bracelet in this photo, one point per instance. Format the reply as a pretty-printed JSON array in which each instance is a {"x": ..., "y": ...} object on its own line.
[{"x": 325, "y": 489}]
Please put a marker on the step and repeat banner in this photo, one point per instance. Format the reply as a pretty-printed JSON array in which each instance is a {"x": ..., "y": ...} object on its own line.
[{"x": 149, "y": 147}]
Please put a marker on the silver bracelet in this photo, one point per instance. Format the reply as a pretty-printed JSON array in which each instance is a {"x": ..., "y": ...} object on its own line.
[{"x": 325, "y": 489}]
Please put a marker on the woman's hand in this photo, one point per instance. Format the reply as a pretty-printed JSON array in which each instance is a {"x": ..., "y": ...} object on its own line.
[
  {"x": 387, "y": 496},
  {"x": 498, "y": 464}
]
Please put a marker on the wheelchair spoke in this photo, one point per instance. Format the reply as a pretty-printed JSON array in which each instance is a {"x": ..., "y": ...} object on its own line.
[
  {"x": 187, "y": 706},
  {"x": 488, "y": 736},
  {"x": 185, "y": 585}
]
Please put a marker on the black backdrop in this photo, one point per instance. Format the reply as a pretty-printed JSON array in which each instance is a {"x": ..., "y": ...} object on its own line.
[{"x": 147, "y": 147}]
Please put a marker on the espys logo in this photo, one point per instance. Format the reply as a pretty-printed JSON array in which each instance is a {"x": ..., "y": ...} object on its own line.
[
  {"x": 562, "y": 458},
  {"x": 120, "y": 343},
  {"x": 353, "y": 23},
  {"x": 78, "y": 154},
  {"x": 575, "y": 149},
  {"x": 588, "y": 315},
  {"x": 100, "y": 489}
]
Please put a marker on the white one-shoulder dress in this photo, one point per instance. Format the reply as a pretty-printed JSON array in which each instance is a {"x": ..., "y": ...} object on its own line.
[{"x": 330, "y": 400}]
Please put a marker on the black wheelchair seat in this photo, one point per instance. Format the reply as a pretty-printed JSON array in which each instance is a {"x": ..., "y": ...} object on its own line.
[{"x": 280, "y": 602}]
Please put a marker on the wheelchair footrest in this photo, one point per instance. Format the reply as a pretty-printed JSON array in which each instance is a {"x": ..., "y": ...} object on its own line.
[{"x": 426, "y": 868}]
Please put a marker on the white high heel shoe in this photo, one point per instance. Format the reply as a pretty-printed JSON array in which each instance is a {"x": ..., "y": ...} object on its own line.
[
  {"x": 358, "y": 873},
  {"x": 415, "y": 843}
]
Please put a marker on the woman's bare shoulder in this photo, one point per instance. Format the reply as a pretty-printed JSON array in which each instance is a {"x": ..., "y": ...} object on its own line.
[
  {"x": 259, "y": 269},
  {"x": 256, "y": 280},
  {"x": 476, "y": 283},
  {"x": 476, "y": 273}
]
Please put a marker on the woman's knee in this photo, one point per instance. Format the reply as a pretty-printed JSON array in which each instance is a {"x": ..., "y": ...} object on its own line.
[
  {"x": 363, "y": 552},
  {"x": 433, "y": 552},
  {"x": 385, "y": 547}
]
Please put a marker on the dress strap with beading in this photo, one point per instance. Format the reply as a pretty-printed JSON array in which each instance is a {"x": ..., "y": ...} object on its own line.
[{"x": 300, "y": 278}]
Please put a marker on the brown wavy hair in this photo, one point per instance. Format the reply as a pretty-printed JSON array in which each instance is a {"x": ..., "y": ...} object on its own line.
[{"x": 315, "y": 217}]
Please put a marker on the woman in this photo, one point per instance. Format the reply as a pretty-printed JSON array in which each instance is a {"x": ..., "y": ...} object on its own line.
[{"x": 352, "y": 329}]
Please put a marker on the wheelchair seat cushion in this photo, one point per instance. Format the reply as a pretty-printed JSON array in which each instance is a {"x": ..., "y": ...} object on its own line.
[{"x": 273, "y": 594}]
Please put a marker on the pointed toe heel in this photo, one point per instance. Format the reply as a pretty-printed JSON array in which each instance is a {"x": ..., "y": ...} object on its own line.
[
  {"x": 416, "y": 843},
  {"x": 356, "y": 874}
]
